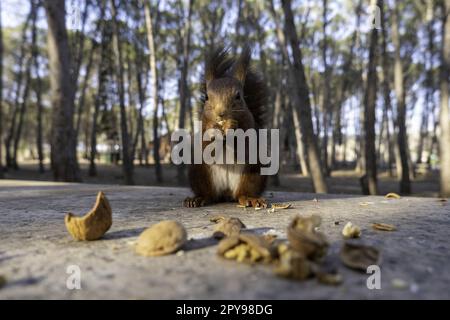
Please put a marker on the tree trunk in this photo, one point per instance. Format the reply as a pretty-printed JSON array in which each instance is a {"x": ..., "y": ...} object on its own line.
[
  {"x": 386, "y": 92},
  {"x": 127, "y": 162},
  {"x": 154, "y": 75},
  {"x": 81, "y": 100},
  {"x": 326, "y": 90},
  {"x": 38, "y": 93},
  {"x": 19, "y": 83},
  {"x": 1, "y": 95},
  {"x": 444, "y": 114},
  {"x": 77, "y": 47},
  {"x": 370, "y": 99},
  {"x": 186, "y": 38},
  {"x": 63, "y": 153},
  {"x": 405, "y": 184},
  {"x": 27, "y": 86},
  {"x": 301, "y": 95},
  {"x": 140, "y": 131},
  {"x": 102, "y": 73}
]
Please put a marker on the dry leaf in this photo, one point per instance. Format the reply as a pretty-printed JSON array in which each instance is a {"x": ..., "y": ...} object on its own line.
[
  {"x": 359, "y": 257},
  {"x": 304, "y": 238},
  {"x": 94, "y": 224},
  {"x": 351, "y": 231},
  {"x": 392, "y": 195},
  {"x": 227, "y": 227},
  {"x": 162, "y": 238},
  {"x": 384, "y": 227},
  {"x": 281, "y": 206},
  {"x": 247, "y": 248}
]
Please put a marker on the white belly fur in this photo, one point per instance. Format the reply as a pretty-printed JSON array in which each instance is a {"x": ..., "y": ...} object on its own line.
[{"x": 226, "y": 178}]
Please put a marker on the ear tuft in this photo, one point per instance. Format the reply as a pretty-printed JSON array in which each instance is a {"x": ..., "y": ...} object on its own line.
[
  {"x": 241, "y": 66},
  {"x": 218, "y": 63}
]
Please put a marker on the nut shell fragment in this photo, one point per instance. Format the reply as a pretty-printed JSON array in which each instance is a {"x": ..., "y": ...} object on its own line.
[
  {"x": 293, "y": 265},
  {"x": 304, "y": 238},
  {"x": 94, "y": 224},
  {"x": 351, "y": 231},
  {"x": 162, "y": 238},
  {"x": 359, "y": 257},
  {"x": 227, "y": 227}
]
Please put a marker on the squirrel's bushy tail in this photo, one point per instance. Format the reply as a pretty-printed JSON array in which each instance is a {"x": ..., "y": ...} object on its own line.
[{"x": 221, "y": 65}]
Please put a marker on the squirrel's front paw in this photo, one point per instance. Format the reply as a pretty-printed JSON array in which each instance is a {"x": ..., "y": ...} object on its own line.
[
  {"x": 194, "y": 202},
  {"x": 252, "y": 202}
]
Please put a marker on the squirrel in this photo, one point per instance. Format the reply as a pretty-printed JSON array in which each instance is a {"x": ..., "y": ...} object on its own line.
[{"x": 233, "y": 96}]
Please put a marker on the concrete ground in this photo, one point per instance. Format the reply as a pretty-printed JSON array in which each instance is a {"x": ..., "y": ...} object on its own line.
[{"x": 36, "y": 250}]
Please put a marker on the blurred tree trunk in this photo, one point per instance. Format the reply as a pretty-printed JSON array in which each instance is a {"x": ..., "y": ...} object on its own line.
[
  {"x": 1, "y": 95},
  {"x": 429, "y": 101},
  {"x": 81, "y": 100},
  {"x": 63, "y": 153},
  {"x": 100, "y": 97},
  {"x": 154, "y": 75},
  {"x": 370, "y": 99},
  {"x": 132, "y": 112},
  {"x": 26, "y": 91},
  {"x": 431, "y": 86},
  {"x": 445, "y": 108},
  {"x": 162, "y": 81},
  {"x": 23, "y": 108},
  {"x": 77, "y": 44},
  {"x": 386, "y": 91},
  {"x": 140, "y": 131},
  {"x": 300, "y": 94},
  {"x": 326, "y": 114},
  {"x": 186, "y": 39},
  {"x": 39, "y": 113},
  {"x": 38, "y": 93},
  {"x": 276, "y": 117},
  {"x": 127, "y": 163},
  {"x": 405, "y": 184},
  {"x": 19, "y": 83}
]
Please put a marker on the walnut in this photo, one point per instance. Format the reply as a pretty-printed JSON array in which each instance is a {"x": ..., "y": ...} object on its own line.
[{"x": 162, "y": 238}]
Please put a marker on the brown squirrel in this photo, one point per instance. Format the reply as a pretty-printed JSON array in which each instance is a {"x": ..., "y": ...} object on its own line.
[{"x": 233, "y": 96}]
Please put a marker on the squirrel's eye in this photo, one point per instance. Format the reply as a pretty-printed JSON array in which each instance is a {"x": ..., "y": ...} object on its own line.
[{"x": 238, "y": 95}]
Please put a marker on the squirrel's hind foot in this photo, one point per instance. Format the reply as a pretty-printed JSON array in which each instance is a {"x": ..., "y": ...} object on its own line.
[
  {"x": 252, "y": 202},
  {"x": 194, "y": 202}
]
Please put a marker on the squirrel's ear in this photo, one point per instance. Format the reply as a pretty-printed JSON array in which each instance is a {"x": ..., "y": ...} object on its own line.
[
  {"x": 218, "y": 64},
  {"x": 242, "y": 64}
]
